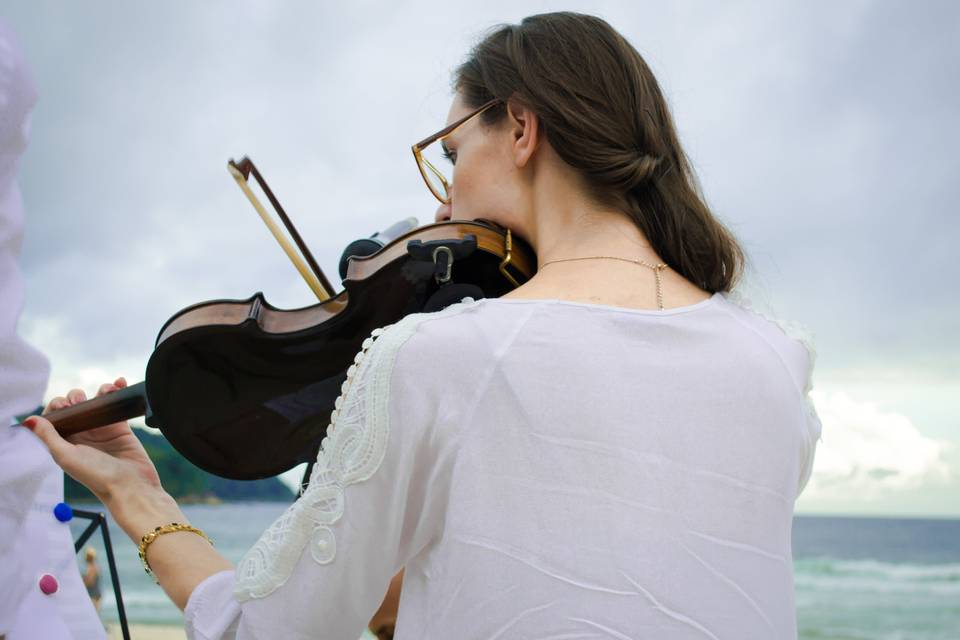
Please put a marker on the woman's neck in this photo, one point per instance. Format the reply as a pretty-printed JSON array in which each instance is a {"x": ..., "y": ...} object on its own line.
[{"x": 571, "y": 228}]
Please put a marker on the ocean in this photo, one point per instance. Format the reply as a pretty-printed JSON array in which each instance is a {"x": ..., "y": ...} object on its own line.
[{"x": 856, "y": 578}]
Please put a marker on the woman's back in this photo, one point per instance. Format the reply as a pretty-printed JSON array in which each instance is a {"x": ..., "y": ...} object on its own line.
[
  {"x": 539, "y": 468},
  {"x": 609, "y": 470}
]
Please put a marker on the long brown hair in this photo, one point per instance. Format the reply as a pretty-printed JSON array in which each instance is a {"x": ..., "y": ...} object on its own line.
[{"x": 603, "y": 112}]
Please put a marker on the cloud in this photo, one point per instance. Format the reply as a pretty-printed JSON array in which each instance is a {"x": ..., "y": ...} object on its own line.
[
  {"x": 816, "y": 140},
  {"x": 869, "y": 454},
  {"x": 70, "y": 369},
  {"x": 818, "y": 137}
]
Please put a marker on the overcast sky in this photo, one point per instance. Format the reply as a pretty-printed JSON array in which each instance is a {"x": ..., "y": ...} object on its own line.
[{"x": 824, "y": 134}]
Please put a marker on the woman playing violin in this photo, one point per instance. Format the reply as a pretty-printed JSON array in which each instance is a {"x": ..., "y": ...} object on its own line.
[{"x": 611, "y": 449}]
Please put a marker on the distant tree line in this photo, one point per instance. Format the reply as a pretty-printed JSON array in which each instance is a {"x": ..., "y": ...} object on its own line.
[{"x": 185, "y": 481}]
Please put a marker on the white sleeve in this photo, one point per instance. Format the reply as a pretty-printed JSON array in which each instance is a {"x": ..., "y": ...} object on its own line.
[
  {"x": 812, "y": 435},
  {"x": 375, "y": 499},
  {"x": 811, "y": 422},
  {"x": 212, "y": 611}
]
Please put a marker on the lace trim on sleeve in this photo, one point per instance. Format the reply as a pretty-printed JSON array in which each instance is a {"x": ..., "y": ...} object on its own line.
[{"x": 351, "y": 452}]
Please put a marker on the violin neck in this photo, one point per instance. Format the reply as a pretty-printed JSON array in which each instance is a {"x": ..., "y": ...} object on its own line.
[{"x": 126, "y": 403}]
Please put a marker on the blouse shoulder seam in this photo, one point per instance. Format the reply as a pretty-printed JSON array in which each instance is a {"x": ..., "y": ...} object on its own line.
[{"x": 773, "y": 347}]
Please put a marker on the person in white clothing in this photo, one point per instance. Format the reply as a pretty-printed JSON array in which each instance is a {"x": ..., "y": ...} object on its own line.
[
  {"x": 41, "y": 592},
  {"x": 612, "y": 449}
]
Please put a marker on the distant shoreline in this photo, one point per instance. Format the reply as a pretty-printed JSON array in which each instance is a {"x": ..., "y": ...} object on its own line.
[
  {"x": 147, "y": 631},
  {"x": 870, "y": 516}
]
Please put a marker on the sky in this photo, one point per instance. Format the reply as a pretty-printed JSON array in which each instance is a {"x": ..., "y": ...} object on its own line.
[{"x": 824, "y": 135}]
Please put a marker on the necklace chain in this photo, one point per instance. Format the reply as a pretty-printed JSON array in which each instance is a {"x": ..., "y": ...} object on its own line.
[{"x": 657, "y": 268}]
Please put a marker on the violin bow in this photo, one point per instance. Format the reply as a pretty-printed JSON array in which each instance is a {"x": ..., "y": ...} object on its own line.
[{"x": 314, "y": 277}]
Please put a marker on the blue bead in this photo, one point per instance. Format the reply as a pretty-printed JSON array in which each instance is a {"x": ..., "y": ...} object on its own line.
[{"x": 63, "y": 512}]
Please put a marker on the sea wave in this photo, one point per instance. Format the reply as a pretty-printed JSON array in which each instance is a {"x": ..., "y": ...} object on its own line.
[
  {"x": 869, "y": 575},
  {"x": 136, "y": 598}
]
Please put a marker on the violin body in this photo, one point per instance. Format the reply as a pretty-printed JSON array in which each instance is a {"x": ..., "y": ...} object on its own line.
[{"x": 245, "y": 390}]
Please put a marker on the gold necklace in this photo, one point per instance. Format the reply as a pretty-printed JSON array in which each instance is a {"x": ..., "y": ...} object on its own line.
[{"x": 656, "y": 270}]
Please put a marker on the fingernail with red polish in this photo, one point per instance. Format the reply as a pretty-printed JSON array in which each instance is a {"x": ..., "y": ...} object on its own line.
[{"x": 30, "y": 422}]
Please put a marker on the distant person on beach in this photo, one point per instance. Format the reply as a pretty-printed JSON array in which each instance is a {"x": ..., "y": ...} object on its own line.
[
  {"x": 41, "y": 593},
  {"x": 91, "y": 577},
  {"x": 612, "y": 449}
]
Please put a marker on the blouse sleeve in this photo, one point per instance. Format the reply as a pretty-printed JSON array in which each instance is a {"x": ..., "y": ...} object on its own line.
[
  {"x": 812, "y": 436},
  {"x": 800, "y": 354},
  {"x": 811, "y": 420},
  {"x": 376, "y": 497}
]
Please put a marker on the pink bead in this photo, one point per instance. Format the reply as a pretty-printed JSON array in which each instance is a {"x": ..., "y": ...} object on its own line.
[{"x": 48, "y": 584}]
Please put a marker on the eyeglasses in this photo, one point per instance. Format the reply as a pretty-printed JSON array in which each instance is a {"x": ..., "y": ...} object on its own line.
[{"x": 431, "y": 156}]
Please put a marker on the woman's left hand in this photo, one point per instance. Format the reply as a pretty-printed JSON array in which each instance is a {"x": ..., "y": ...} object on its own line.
[
  {"x": 108, "y": 460},
  {"x": 113, "y": 464}
]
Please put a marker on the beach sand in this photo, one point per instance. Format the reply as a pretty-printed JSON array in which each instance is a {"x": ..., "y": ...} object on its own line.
[
  {"x": 166, "y": 632},
  {"x": 147, "y": 632}
]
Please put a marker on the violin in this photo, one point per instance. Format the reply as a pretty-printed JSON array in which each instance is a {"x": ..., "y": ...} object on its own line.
[{"x": 245, "y": 390}]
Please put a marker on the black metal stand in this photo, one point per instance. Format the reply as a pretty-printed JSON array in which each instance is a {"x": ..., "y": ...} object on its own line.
[
  {"x": 306, "y": 477},
  {"x": 99, "y": 520}
]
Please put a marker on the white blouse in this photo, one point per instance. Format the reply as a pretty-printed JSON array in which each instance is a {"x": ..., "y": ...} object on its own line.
[{"x": 545, "y": 469}]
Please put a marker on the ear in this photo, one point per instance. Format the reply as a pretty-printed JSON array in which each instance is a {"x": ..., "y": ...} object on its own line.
[{"x": 525, "y": 131}]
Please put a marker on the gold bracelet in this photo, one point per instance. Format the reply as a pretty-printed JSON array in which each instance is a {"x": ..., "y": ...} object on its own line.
[{"x": 159, "y": 531}]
